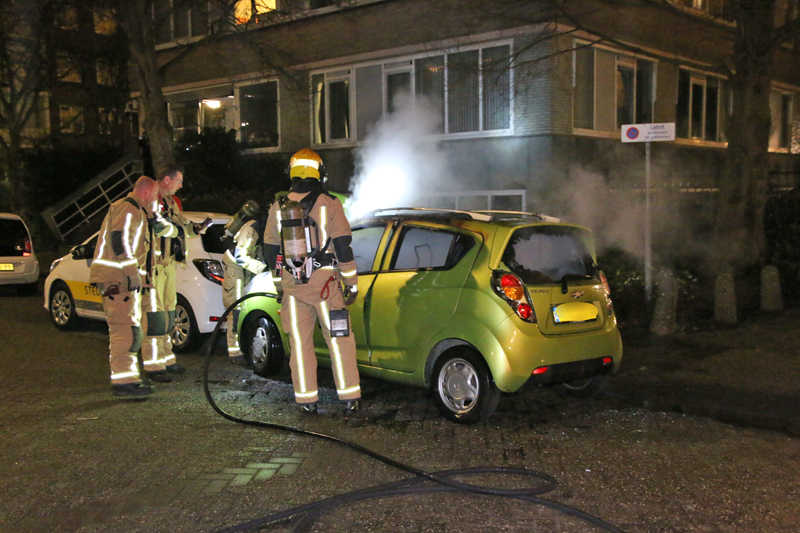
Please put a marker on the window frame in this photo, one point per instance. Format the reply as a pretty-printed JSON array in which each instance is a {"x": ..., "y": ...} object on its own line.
[
  {"x": 407, "y": 63},
  {"x": 700, "y": 79},
  {"x": 190, "y": 24},
  {"x": 238, "y": 114}
]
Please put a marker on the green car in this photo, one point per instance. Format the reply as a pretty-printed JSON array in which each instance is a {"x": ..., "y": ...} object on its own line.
[{"x": 468, "y": 304}]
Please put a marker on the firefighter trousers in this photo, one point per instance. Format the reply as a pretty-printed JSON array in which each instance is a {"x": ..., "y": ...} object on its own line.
[
  {"x": 236, "y": 279},
  {"x": 158, "y": 308},
  {"x": 123, "y": 315},
  {"x": 303, "y": 305}
]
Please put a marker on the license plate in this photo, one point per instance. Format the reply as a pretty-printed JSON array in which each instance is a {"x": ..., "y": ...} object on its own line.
[
  {"x": 6, "y": 266},
  {"x": 574, "y": 312}
]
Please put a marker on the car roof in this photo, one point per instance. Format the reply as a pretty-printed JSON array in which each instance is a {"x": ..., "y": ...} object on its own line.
[
  {"x": 424, "y": 213},
  {"x": 197, "y": 216},
  {"x": 10, "y": 216}
]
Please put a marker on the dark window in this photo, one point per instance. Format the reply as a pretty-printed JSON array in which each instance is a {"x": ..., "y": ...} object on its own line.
[
  {"x": 12, "y": 237},
  {"x": 365, "y": 246},
  {"x": 424, "y": 248},
  {"x": 545, "y": 254},
  {"x": 212, "y": 239},
  {"x": 259, "y": 114}
]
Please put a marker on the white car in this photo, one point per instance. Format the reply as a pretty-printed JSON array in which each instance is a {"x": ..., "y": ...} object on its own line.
[
  {"x": 69, "y": 297},
  {"x": 18, "y": 264}
]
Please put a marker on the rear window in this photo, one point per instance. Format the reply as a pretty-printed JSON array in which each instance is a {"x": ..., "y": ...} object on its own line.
[
  {"x": 545, "y": 254},
  {"x": 12, "y": 237},
  {"x": 212, "y": 239}
]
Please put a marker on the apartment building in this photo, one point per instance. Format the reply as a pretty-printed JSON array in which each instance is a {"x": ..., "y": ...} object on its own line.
[{"x": 513, "y": 95}]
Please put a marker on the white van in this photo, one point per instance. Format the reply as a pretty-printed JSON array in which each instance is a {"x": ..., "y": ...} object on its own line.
[{"x": 18, "y": 263}]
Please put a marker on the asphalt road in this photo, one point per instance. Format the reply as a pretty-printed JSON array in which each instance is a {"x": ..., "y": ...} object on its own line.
[{"x": 697, "y": 433}]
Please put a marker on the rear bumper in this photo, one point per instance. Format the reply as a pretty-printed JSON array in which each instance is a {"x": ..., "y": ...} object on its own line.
[
  {"x": 575, "y": 370},
  {"x": 26, "y": 270}
]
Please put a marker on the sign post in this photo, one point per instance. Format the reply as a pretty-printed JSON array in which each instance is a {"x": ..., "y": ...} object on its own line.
[{"x": 647, "y": 133}]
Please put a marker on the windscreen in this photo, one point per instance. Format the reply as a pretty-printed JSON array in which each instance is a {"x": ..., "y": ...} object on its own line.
[
  {"x": 12, "y": 237},
  {"x": 545, "y": 254}
]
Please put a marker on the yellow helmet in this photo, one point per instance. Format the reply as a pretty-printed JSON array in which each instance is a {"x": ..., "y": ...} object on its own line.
[{"x": 305, "y": 164}]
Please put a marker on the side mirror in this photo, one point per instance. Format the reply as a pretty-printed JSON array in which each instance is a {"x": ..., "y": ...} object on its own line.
[{"x": 82, "y": 251}]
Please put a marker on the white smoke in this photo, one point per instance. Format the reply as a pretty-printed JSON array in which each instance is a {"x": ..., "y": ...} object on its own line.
[{"x": 398, "y": 161}]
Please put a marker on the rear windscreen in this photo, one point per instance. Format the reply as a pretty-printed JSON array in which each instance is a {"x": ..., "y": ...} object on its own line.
[
  {"x": 12, "y": 237},
  {"x": 545, "y": 254},
  {"x": 212, "y": 239}
]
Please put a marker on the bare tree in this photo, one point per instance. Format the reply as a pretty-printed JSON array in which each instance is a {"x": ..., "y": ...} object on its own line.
[{"x": 22, "y": 78}]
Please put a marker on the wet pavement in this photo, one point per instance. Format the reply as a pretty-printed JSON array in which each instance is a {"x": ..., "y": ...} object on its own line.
[{"x": 698, "y": 432}]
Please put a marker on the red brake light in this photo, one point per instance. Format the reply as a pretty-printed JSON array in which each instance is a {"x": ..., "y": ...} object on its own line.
[
  {"x": 540, "y": 370},
  {"x": 26, "y": 248},
  {"x": 524, "y": 311},
  {"x": 604, "y": 280},
  {"x": 512, "y": 287},
  {"x": 607, "y": 360}
]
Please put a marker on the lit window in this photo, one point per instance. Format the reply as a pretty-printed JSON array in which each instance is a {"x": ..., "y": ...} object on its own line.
[
  {"x": 104, "y": 22},
  {"x": 70, "y": 118},
  {"x": 67, "y": 69},
  {"x": 700, "y": 110},
  {"x": 249, "y": 10}
]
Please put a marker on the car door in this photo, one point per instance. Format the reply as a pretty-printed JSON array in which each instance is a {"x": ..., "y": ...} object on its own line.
[
  {"x": 367, "y": 241},
  {"x": 416, "y": 293}
]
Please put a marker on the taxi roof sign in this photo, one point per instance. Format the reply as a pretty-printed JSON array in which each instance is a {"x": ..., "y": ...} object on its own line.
[{"x": 640, "y": 133}]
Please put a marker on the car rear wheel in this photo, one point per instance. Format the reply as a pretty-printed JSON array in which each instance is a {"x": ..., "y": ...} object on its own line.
[
  {"x": 185, "y": 334},
  {"x": 261, "y": 344},
  {"x": 463, "y": 388},
  {"x": 584, "y": 387},
  {"x": 62, "y": 307}
]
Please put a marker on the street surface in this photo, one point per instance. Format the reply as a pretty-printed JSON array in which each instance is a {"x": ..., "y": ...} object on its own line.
[{"x": 699, "y": 432}]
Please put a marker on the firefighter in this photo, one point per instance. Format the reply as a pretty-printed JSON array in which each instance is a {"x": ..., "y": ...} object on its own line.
[
  {"x": 240, "y": 264},
  {"x": 312, "y": 275},
  {"x": 160, "y": 301},
  {"x": 118, "y": 271}
]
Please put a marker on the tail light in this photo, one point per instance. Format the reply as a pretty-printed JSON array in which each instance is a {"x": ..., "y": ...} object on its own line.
[
  {"x": 26, "y": 248},
  {"x": 510, "y": 288},
  {"x": 607, "y": 289},
  {"x": 211, "y": 269}
]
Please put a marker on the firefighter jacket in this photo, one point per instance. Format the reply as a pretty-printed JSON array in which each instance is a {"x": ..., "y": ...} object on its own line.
[
  {"x": 122, "y": 244},
  {"x": 171, "y": 246},
  {"x": 244, "y": 253},
  {"x": 332, "y": 228}
]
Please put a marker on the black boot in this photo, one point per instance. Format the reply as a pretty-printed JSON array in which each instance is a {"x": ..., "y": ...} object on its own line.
[
  {"x": 310, "y": 408},
  {"x": 351, "y": 406},
  {"x": 176, "y": 368},
  {"x": 161, "y": 376},
  {"x": 132, "y": 390}
]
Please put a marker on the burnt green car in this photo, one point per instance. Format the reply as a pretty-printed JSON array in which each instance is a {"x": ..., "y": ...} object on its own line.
[{"x": 468, "y": 304}]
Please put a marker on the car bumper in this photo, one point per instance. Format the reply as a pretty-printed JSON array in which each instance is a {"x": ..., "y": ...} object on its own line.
[
  {"x": 513, "y": 353},
  {"x": 25, "y": 270}
]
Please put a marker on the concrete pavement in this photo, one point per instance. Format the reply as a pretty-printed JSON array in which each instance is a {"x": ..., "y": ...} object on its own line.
[{"x": 697, "y": 433}]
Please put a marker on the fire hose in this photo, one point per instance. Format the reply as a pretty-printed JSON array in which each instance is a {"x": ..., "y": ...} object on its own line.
[{"x": 421, "y": 482}]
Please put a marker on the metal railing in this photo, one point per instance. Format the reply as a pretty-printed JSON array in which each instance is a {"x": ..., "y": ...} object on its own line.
[{"x": 82, "y": 206}]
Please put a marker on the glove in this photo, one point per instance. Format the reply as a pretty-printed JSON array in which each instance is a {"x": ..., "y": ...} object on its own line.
[
  {"x": 258, "y": 268},
  {"x": 201, "y": 227},
  {"x": 350, "y": 292},
  {"x": 134, "y": 282}
]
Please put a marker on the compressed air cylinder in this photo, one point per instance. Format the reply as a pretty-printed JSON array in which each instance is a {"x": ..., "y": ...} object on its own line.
[{"x": 293, "y": 231}]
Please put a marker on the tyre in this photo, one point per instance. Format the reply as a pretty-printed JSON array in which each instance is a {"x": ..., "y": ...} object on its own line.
[
  {"x": 463, "y": 388},
  {"x": 62, "y": 307},
  {"x": 261, "y": 344},
  {"x": 185, "y": 334},
  {"x": 584, "y": 387}
]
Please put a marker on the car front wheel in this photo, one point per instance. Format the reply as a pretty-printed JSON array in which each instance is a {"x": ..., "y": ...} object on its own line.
[
  {"x": 185, "y": 334},
  {"x": 583, "y": 388},
  {"x": 261, "y": 344},
  {"x": 62, "y": 307},
  {"x": 463, "y": 388}
]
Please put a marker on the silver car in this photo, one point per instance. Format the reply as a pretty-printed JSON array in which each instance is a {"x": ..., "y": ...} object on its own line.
[{"x": 18, "y": 263}]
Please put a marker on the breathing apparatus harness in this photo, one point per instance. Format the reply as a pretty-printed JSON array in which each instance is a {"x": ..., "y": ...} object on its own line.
[{"x": 300, "y": 256}]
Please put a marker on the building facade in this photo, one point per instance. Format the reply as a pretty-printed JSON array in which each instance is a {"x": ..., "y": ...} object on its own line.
[{"x": 512, "y": 94}]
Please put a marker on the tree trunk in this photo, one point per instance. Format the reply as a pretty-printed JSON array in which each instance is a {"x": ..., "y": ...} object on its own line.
[
  {"x": 137, "y": 23},
  {"x": 738, "y": 238}
]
